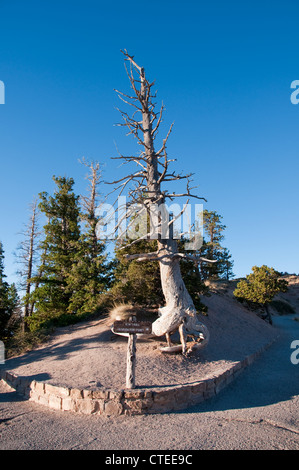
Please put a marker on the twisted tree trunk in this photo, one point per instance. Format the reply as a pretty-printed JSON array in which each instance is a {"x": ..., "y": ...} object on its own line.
[{"x": 179, "y": 311}]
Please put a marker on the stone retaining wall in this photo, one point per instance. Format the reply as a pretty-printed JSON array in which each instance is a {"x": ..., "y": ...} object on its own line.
[{"x": 128, "y": 402}]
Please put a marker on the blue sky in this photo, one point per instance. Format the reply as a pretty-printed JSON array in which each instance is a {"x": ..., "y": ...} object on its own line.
[{"x": 223, "y": 71}]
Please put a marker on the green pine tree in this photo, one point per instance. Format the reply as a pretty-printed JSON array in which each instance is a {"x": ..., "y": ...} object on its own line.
[
  {"x": 225, "y": 265},
  {"x": 90, "y": 275},
  {"x": 212, "y": 248},
  {"x": 10, "y": 314},
  {"x": 52, "y": 295},
  {"x": 135, "y": 282},
  {"x": 4, "y": 310}
]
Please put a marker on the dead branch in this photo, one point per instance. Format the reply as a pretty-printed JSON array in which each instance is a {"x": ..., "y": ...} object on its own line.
[
  {"x": 165, "y": 140},
  {"x": 154, "y": 256}
]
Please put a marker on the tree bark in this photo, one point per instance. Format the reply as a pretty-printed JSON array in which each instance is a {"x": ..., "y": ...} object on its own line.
[{"x": 179, "y": 310}]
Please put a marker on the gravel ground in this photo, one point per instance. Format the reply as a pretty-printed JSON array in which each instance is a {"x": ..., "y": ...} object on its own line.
[
  {"x": 90, "y": 355},
  {"x": 257, "y": 411}
]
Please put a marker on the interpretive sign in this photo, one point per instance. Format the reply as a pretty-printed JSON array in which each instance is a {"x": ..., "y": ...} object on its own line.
[{"x": 132, "y": 327}]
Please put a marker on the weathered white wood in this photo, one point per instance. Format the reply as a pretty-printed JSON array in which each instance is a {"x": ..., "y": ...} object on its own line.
[
  {"x": 183, "y": 338},
  {"x": 178, "y": 348},
  {"x": 131, "y": 361},
  {"x": 179, "y": 311}
]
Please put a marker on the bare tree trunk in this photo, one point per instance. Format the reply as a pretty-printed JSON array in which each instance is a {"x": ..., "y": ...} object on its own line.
[
  {"x": 90, "y": 205},
  {"x": 27, "y": 249},
  {"x": 179, "y": 311}
]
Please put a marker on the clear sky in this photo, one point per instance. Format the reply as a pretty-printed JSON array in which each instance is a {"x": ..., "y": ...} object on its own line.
[{"x": 223, "y": 70}]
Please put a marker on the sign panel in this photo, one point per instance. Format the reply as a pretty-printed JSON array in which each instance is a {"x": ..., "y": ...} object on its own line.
[{"x": 132, "y": 327}]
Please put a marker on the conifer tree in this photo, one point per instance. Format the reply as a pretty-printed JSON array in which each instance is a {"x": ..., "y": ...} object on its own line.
[
  {"x": 2, "y": 275},
  {"x": 26, "y": 254},
  {"x": 9, "y": 302},
  {"x": 59, "y": 247},
  {"x": 90, "y": 273},
  {"x": 212, "y": 248},
  {"x": 136, "y": 282},
  {"x": 4, "y": 311},
  {"x": 225, "y": 263}
]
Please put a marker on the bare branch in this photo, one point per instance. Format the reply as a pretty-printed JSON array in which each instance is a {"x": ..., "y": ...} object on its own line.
[
  {"x": 133, "y": 98},
  {"x": 143, "y": 256},
  {"x": 94, "y": 176},
  {"x": 193, "y": 257},
  {"x": 137, "y": 174},
  {"x": 174, "y": 195},
  {"x": 159, "y": 119},
  {"x": 147, "y": 236},
  {"x": 128, "y": 102},
  {"x": 131, "y": 59},
  {"x": 154, "y": 256},
  {"x": 165, "y": 140},
  {"x": 162, "y": 176}
]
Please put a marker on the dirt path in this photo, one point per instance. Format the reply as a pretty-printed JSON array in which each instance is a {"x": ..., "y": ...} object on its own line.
[{"x": 89, "y": 355}]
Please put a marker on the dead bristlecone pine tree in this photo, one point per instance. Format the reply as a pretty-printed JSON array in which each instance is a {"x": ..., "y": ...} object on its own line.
[{"x": 147, "y": 196}]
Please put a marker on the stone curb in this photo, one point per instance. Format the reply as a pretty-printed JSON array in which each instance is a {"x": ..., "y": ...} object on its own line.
[{"x": 127, "y": 402}]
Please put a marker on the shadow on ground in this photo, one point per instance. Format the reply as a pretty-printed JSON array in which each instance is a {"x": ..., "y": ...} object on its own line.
[{"x": 271, "y": 379}]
